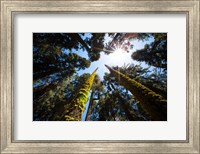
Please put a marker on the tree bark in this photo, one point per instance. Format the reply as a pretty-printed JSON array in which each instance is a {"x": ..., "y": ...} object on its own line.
[
  {"x": 77, "y": 37},
  {"x": 89, "y": 111},
  {"x": 75, "y": 109},
  {"x": 150, "y": 101}
]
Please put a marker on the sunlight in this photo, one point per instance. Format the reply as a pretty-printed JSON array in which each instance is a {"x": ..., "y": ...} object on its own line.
[{"x": 118, "y": 56}]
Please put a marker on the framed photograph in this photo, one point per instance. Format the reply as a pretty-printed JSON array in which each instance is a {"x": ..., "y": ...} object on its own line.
[{"x": 99, "y": 76}]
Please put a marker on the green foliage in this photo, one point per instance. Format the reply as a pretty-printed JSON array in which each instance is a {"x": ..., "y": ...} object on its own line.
[
  {"x": 154, "y": 54},
  {"x": 51, "y": 59},
  {"x": 128, "y": 94},
  {"x": 43, "y": 105}
]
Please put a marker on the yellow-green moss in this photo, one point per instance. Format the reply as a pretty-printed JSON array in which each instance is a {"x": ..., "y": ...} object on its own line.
[
  {"x": 69, "y": 118},
  {"x": 77, "y": 105}
]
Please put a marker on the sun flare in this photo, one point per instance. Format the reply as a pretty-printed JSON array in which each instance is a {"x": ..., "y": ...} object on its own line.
[
  {"x": 119, "y": 51},
  {"x": 117, "y": 56}
]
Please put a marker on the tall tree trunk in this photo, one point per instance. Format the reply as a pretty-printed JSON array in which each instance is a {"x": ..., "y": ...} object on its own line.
[
  {"x": 129, "y": 112},
  {"x": 89, "y": 111},
  {"x": 150, "y": 101},
  {"x": 103, "y": 49},
  {"x": 77, "y": 37},
  {"x": 40, "y": 90},
  {"x": 113, "y": 41},
  {"x": 75, "y": 109},
  {"x": 156, "y": 90},
  {"x": 82, "y": 42}
]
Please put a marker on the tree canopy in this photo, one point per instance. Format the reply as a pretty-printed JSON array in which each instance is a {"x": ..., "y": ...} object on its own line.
[{"x": 68, "y": 87}]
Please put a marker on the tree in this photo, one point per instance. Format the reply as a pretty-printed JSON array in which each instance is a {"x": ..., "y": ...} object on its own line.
[
  {"x": 155, "y": 79},
  {"x": 122, "y": 41},
  {"x": 53, "y": 53},
  {"x": 154, "y": 54},
  {"x": 93, "y": 46},
  {"x": 127, "y": 106},
  {"x": 57, "y": 64},
  {"x": 152, "y": 102},
  {"x": 107, "y": 111},
  {"x": 70, "y": 92},
  {"x": 44, "y": 104},
  {"x": 54, "y": 59},
  {"x": 96, "y": 92},
  {"x": 74, "y": 110},
  {"x": 115, "y": 103}
]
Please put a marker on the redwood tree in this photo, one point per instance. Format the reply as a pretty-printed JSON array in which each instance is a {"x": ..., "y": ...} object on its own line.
[
  {"x": 151, "y": 102},
  {"x": 75, "y": 109}
]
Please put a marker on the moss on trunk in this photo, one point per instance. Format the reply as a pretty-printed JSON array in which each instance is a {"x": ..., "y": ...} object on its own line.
[
  {"x": 75, "y": 109},
  {"x": 151, "y": 102}
]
